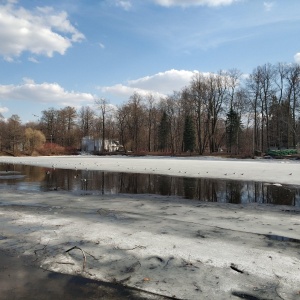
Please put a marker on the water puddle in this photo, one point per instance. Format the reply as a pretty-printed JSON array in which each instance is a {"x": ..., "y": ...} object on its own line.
[
  {"x": 280, "y": 238},
  {"x": 32, "y": 178},
  {"x": 21, "y": 279}
]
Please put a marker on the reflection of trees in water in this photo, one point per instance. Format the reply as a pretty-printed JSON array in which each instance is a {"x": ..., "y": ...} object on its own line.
[
  {"x": 189, "y": 187},
  {"x": 203, "y": 189},
  {"x": 206, "y": 190},
  {"x": 32, "y": 173},
  {"x": 280, "y": 195},
  {"x": 233, "y": 192},
  {"x": 272, "y": 194},
  {"x": 213, "y": 191},
  {"x": 165, "y": 185}
]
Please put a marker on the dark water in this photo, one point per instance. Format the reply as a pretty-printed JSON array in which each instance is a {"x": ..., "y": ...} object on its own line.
[
  {"x": 33, "y": 178},
  {"x": 21, "y": 279},
  {"x": 281, "y": 238}
]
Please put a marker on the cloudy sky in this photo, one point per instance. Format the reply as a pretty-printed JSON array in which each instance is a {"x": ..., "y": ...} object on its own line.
[{"x": 71, "y": 52}]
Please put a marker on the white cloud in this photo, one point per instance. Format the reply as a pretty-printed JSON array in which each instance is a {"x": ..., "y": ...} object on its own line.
[
  {"x": 34, "y": 60},
  {"x": 164, "y": 82},
  {"x": 126, "y": 5},
  {"x": 51, "y": 93},
  {"x": 159, "y": 85},
  {"x": 124, "y": 91},
  {"x": 3, "y": 109},
  {"x": 42, "y": 31},
  {"x": 102, "y": 46},
  {"x": 268, "y": 6},
  {"x": 186, "y": 3},
  {"x": 297, "y": 58}
]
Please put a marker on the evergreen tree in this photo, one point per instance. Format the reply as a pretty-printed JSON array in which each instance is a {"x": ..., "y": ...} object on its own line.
[
  {"x": 164, "y": 130},
  {"x": 233, "y": 126},
  {"x": 189, "y": 134}
]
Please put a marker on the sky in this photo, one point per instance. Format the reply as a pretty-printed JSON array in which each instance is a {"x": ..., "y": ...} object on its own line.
[{"x": 62, "y": 53}]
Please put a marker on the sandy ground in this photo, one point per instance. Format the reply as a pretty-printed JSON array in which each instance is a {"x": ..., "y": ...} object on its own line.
[{"x": 169, "y": 246}]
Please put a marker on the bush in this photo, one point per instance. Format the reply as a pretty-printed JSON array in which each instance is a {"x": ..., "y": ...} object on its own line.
[
  {"x": 52, "y": 149},
  {"x": 282, "y": 152}
]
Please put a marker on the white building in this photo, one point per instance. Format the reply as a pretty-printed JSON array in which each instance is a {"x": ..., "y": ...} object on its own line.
[{"x": 92, "y": 145}]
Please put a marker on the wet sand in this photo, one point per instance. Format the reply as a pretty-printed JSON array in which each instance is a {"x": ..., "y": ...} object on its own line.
[{"x": 172, "y": 247}]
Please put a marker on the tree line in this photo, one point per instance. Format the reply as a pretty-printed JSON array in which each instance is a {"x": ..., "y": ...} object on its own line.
[{"x": 226, "y": 111}]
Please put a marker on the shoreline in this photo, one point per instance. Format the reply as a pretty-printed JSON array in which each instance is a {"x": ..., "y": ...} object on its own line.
[{"x": 21, "y": 278}]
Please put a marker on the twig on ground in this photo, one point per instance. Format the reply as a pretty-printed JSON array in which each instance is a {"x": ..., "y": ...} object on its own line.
[
  {"x": 83, "y": 254},
  {"x": 94, "y": 257},
  {"x": 171, "y": 258},
  {"x": 235, "y": 268},
  {"x": 122, "y": 280},
  {"x": 64, "y": 263},
  {"x": 141, "y": 247},
  {"x": 36, "y": 250},
  {"x": 133, "y": 267},
  {"x": 278, "y": 283}
]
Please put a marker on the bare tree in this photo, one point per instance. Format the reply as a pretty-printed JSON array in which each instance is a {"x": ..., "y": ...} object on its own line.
[
  {"x": 49, "y": 123},
  {"x": 151, "y": 120},
  {"x": 15, "y": 133},
  {"x": 199, "y": 94},
  {"x": 293, "y": 94},
  {"x": 121, "y": 119},
  {"x": 136, "y": 120},
  {"x": 233, "y": 80},
  {"x": 66, "y": 127},
  {"x": 2, "y": 131},
  {"x": 266, "y": 95},
  {"x": 254, "y": 91},
  {"x": 172, "y": 105},
  {"x": 86, "y": 121},
  {"x": 103, "y": 106},
  {"x": 217, "y": 93}
]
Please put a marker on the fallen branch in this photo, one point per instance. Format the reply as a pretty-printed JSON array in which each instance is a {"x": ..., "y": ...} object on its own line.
[
  {"x": 141, "y": 247},
  {"x": 188, "y": 264},
  {"x": 83, "y": 254},
  {"x": 278, "y": 284},
  {"x": 64, "y": 263},
  {"x": 235, "y": 268},
  {"x": 132, "y": 268},
  {"x": 36, "y": 250},
  {"x": 171, "y": 258},
  {"x": 42, "y": 249},
  {"x": 95, "y": 258},
  {"x": 121, "y": 281},
  {"x": 157, "y": 257}
]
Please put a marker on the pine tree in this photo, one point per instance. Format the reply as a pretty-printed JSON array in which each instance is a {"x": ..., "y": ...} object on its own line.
[
  {"x": 189, "y": 134},
  {"x": 233, "y": 126},
  {"x": 164, "y": 130}
]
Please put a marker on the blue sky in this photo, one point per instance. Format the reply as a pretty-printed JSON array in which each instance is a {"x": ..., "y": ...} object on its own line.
[{"x": 71, "y": 52}]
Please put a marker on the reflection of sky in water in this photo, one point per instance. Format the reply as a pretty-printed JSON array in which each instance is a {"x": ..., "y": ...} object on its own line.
[
  {"x": 28, "y": 186},
  {"x": 109, "y": 183}
]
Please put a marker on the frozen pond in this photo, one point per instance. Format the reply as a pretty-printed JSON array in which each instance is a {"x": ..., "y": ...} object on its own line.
[{"x": 32, "y": 178}]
